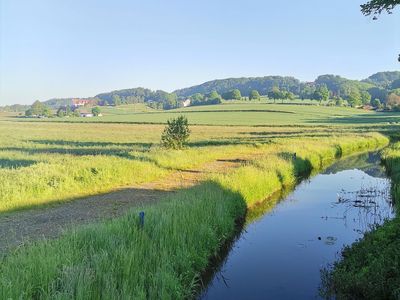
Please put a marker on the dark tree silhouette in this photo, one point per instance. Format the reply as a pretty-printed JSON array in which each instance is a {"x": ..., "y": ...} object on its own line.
[{"x": 376, "y": 7}]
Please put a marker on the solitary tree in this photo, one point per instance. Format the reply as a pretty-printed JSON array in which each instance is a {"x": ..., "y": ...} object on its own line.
[
  {"x": 176, "y": 133},
  {"x": 96, "y": 111},
  {"x": 254, "y": 95}
]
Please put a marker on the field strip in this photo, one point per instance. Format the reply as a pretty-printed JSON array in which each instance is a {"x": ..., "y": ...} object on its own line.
[{"x": 17, "y": 228}]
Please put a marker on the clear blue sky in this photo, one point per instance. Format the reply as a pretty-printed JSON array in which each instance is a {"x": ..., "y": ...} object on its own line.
[{"x": 66, "y": 48}]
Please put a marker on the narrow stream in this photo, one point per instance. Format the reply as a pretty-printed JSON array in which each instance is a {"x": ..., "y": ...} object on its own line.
[{"x": 280, "y": 253}]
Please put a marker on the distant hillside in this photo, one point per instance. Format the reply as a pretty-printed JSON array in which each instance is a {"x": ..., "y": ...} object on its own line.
[
  {"x": 378, "y": 85},
  {"x": 336, "y": 84},
  {"x": 245, "y": 84},
  {"x": 340, "y": 86},
  {"x": 135, "y": 95},
  {"x": 156, "y": 99},
  {"x": 14, "y": 108},
  {"x": 57, "y": 102},
  {"x": 383, "y": 79}
]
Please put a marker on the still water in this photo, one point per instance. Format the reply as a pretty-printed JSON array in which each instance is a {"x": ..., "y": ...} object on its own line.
[{"x": 280, "y": 253}]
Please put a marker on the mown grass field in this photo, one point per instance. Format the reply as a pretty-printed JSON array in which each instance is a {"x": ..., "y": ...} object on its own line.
[
  {"x": 242, "y": 113},
  {"x": 56, "y": 160},
  {"x": 45, "y": 162}
]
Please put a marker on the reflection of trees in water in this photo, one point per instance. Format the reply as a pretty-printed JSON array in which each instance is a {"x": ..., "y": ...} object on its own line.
[
  {"x": 367, "y": 207},
  {"x": 367, "y": 162}
]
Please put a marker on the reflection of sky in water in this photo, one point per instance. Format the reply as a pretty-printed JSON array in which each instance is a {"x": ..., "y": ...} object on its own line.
[{"x": 280, "y": 255}]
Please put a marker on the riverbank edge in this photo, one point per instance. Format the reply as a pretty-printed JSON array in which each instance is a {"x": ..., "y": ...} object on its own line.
[
  {"x": 165, "y": 257},
  {"x": 370, "y": 268}
]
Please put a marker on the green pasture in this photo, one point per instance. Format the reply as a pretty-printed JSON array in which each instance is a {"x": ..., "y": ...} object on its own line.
[{"x": 240, "y": 113}]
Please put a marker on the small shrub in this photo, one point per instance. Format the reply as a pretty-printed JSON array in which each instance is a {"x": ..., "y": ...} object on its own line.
[{"x": 176, "y": 133}]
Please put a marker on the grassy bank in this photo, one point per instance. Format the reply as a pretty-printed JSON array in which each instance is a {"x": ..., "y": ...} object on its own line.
[
  {"x": 370, "y": 268},
  {"x": 54, "y": 177},
  {"x": 164, "y": 259}
]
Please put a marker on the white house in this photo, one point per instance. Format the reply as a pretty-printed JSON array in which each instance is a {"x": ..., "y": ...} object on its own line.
[{"x": 186, "y": 103}]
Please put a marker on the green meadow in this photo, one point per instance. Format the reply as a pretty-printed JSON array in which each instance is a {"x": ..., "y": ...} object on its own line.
[
  {"x": 242, "y": 113},
  {"x": 59, "y": 160}
]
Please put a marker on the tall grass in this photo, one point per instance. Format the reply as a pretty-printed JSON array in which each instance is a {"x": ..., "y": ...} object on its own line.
[
  {"x": 280, "y": 168},
  {"x": 69, "y": 178},
  {"x": 163, "y": 260},
  {"x": 47, "y": 171},
  {"x": 120, "y": 260}
]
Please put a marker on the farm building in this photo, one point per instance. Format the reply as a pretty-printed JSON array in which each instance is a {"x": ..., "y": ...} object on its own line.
[
  {"x": 76, "y": 102},
  {"x": 86, "y": 114},
  {"x": 186, "y": 103}
]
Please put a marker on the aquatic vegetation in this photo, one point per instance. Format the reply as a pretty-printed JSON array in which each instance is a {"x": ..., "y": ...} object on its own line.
[{"x": 370, "y": 268}]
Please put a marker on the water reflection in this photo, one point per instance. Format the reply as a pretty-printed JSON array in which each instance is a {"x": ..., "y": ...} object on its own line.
[{"x": 284, "y": 244}]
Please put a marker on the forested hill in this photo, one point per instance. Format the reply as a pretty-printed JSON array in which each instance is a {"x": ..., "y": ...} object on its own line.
[
  {"x": 336, "y": 84},
  {"x": 244, "y": 84},
  {"x": 383, "y": 79},
  {"x": 377, "y": 86}
]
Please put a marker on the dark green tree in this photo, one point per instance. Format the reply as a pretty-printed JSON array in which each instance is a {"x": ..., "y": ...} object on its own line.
[
  {"x": 197, "y": 97},
  {"x": 376, "y": 103},
  {"x": 38, "y": 109},
  {"x": 376, "y": 7},
  {"x": 365, "y": 97},
  {"x": 307, "y": 91},
  {"x": 176, "y": 133},
  {"x": 354, "y": 98},
  {"x": 288, "y": 95},
  {"x": 236, "y": 95},
  {"x": 254, "y": 95},
  {"x": 28, "y": 112},
  {"x": 321, "y": 93},
  {"x": 276, "y": 94},
  {"x": 61, "y": 112},
  {"x": 214, "y": 96},
  {"x": 96, "y": 111}
]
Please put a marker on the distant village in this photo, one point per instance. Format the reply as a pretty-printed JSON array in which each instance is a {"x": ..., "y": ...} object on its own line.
[{"x": 85, "y": 108}]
